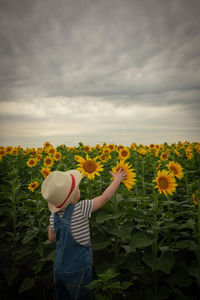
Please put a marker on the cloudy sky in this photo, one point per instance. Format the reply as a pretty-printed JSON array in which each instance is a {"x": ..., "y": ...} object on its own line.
[{"x": 118, "y": 71}]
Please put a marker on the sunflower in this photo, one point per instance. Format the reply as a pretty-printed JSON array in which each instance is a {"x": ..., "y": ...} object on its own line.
[
  {"x": 151, "y": 146},
  {"x": 97, "y": 146},
  {"x": 2, "y": 152},
  {"x": 39, "y": 157},
  {"x": 197, "y": 147},
  {"x": 196, "y": 197},
  {"x": 33, "y": 185},
  {"x": 166, "y": 182},
  {"x": 45, "y": 172},
  {"x": 14, "y": 151},
  {"x": 47, "y": 145},
  {"x": 189, "y": 154},
  {"x": 48, "y": 161},
  {"x": 133, "y": 147},
  {"x": 51, "y": 150},
  {"x": 142, "y": 151},
  {"x": 176, "y": 169},
  {"x": 130, "y": 180},
  {"x": 124, "y": 153},
  {"x": 9, "y": 149},
  {"x": 111, "y": 147},
  {"x": 57, "y": 156},
  {"x": 33, "y": 151},
  {"x": 31, "y": 162},
  {"x": 176, "y": 152},
  {"x": 164, "y": 156},
  {"x": 119, "y": 147},
  {"x": 87, "y": 148},
  {"x": 89, "y": 166},
  {"x": 106, "y": 151},
  {"x": 103, "y": 158}
]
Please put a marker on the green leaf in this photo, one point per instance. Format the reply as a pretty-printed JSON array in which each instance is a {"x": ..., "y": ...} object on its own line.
[
  {"x": 99, "y": 245},
  {"x": 51, "y": 256},
  {"x": 164, "y": 263},
  {"x": 29, "y": 235},
  {"x": 133, "y": 263},
  {"x": 102, "y": 216},
  {"x": 11, "y": 273},
  {"x": 27, "y": 284},
  {"x": 140, "y": 240}
]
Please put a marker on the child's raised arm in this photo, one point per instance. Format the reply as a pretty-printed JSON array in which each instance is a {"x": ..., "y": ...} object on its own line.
[{"x": 99, "y": 201}]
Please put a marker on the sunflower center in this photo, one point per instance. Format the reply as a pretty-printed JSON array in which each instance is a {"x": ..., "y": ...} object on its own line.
[
  {"x": 31, "y": 162},
  {"x": 48, "y": 161},
  {"x": 89, "y": 166},
  {"x": 124, "y": 153},
  {"x": 163, "y": 183}
]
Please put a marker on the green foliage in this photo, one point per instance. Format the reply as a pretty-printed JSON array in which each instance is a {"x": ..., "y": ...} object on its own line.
[
  {"x": 146, "y": 245},
  {"x": 107, "y": 286}
]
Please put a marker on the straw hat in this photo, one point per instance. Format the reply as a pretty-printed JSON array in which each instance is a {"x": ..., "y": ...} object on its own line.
[{"x": 59, "y": 188}]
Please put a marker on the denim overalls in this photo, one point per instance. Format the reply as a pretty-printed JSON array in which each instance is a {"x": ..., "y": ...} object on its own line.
[{"x": 73, "y": 263}]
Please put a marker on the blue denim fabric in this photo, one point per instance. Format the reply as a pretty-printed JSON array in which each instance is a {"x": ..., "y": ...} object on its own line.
[{"x": 73, "y": 263}]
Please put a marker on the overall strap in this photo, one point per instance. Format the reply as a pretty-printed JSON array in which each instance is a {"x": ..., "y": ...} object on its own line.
[{"x": 69, "y": 212}]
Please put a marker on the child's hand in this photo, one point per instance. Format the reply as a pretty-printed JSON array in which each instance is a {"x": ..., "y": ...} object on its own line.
[{"x": 121, "y": 174}]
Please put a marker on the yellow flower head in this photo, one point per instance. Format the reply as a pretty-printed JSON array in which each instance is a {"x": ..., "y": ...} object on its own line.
[
  {"x": 120, "y": 147},
  {"x": 87, "y": 148},
  {"x": 196, "y": 197},
  {"x": 189, "y": 154},
  {"x": 142, "y": 151},
  {"x": 2, "y": 152},
  {"x": 48, "y": 161},
  {"x": 97, "y": 146},
  {"x": 165, "y": 182},
  {"x": 124, "y": 153},
  {"x": 31, "y": 162},
  {"x": 57, "y": 156},
  {"x": 111, "y": 147},
  {"x": 14, "y": 151},
  {"x": 47, "y": 145},
  {"x": 89, "y": 166},
  {"x": 103, "y": 158},
  {"x": 164, "y": 156},
  {"x": 39, "y": 157},
  {"x": 106, "y": 151},
  {"x": 130, "y": 180},
  {"x": 45, "y": 172},
  {"x": 51, "y": 150},
  {"x": 33, "y": 185},
  {"x": 9, "y": 149},
  {"x": 176, "y": 169},
  {"x": 133, "y": 147},
  {"x": 155, "y": 151},
  {"x": 151, "y": 146},
  {"x": 176, "y": 152}
]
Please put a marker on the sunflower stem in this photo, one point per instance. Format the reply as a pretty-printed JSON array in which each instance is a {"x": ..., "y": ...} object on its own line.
[
  {"x": 143, "y": 183},
  {"x": 155, "y": 231},
  {"x": 39, "y": 227},
  {"x": 187, "y": 188},
  {"x": 90, "y": 186},
  {"x": 116, "y": 224},
  {"x": 198, "y": 225}
]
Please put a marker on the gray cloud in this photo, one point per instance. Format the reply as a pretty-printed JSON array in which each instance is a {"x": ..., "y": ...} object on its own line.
[{"x": 124, "y": 53}]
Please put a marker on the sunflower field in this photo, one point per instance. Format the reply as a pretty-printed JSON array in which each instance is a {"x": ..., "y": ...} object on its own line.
[{"x": 146, "y": 239}]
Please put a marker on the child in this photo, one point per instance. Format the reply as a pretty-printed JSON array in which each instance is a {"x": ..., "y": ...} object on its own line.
[{"x": 69, "y": 228}]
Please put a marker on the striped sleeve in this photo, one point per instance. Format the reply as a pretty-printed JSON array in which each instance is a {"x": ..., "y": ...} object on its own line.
[
  {"x": 86, "y": 208},
  {"x": 51, "y": 221}
]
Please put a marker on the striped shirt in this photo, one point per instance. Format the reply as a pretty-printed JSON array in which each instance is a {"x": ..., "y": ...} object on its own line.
[{"x": 79, "y": 222}]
